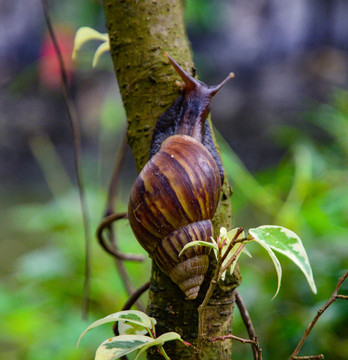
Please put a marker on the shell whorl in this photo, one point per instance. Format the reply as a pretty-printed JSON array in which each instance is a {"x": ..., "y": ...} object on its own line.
[
  {"x": 189, "y": 269},
  {"x": 171, "y": 203}
]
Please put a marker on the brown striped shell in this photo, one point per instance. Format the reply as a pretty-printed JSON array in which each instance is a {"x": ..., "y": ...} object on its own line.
[{"x": 172, "y": 203}]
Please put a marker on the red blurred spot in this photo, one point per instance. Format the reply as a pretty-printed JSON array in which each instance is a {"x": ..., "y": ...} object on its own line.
[{"x": 49, "y": 68}]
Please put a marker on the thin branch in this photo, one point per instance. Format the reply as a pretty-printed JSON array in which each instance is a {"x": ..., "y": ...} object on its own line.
[
  {"x": 242, "y": 340},
  {"x": 115, "y": 177},
  {"x": 74, "y": 124},
  {"x": 110, "y": 245},
  {"x": 233, "y": 258},
  {"x": 310, "y": 357},
  {"x": 211, "y": 288},
  {"x": 110, "y": 217},
  {"x": 231, "y": 244},
  {"x": 135, "y": 296},
  {"x": 234, "y": 337},
  {"x": 320, "y": 312},
  {"x": 247, "y": 321}
]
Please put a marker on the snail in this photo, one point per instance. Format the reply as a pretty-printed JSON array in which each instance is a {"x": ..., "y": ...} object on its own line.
[{"x": 177, "y": 192}]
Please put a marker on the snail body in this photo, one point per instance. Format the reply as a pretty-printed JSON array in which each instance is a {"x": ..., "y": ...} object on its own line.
[{"x": 176, "y": 194}]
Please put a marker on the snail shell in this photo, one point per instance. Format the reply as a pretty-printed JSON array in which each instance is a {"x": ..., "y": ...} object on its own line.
[
  {"x": 171, "y": 203},
  {"x": 176, "y": 194}
]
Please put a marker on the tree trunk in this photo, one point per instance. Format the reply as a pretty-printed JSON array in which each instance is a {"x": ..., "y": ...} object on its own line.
[{"x": 140, "y": 32}]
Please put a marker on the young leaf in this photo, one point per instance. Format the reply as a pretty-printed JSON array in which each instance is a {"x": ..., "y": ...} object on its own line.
[
  {"x": 289, "y": 244},
  {"x": 84, "y": 35},
  {"x": 128, "y": 328},
  {"x": 130, "y": 316},
  {"x": 229, "y": 236},
  {"x": 169, "y": 336},
  {"x": 104, "y": 47},
  {"x": 223, "y": 232},
  {"x": 233, "y": 265},
  {"x": 201, "y": 243},
  {"x": 118, "y": 346}
]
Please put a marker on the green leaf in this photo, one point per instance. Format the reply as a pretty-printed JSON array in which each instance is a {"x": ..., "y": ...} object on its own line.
[
  {"x": 272, "y": 255},
  {"x": 247, "y": 252},
  {"x": 130, "y": 316},
  {"x": 84, "y": 35},
  {"x": 126, "y": 328},
  {"x": 229, "y": 236},
  {"x": 169, "y": 336},
  {"x": 201, "y": 243},
  {"x": 213, "y": 241},
  {"x": 104, "y": 47},
  {"x": 287, "y": 243},
  {"x": 116, "y": 347}
]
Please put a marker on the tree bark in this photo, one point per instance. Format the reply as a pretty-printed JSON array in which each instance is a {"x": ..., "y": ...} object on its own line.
[{"x": 140, "y": 32}]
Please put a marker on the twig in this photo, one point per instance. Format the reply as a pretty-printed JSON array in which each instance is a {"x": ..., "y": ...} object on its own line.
[
  {"x": 115, "y": 177},
  {"x": 230, "y": 336},
  {"x": 111, "y": 248},
  {"x": 110, "y": 244},
  {"x": 310, "y": 357},
  {"x": 135, "y": 296},
  {"x": 74, "y": 124},
  {"x": 233, "y": 258},
  {"x": 244, "y": 341},
  {"x": 247, "y": 321},
  {"x": 211, "y": 288},
  {"x": 320, "y": 312},
  {"x": 231, "y": 244},
  {"x": 118, "y": 255}
]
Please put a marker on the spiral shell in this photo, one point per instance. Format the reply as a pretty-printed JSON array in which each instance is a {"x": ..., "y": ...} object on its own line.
[{"x": 172, "y": 203}]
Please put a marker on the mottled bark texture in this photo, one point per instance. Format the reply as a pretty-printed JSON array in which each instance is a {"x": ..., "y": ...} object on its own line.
[{"x": 140, "y": 32}]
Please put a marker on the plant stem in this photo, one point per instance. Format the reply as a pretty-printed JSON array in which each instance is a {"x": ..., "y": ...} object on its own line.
[
  {"x": 247, "y": 322},
  {"x": 244, "y": 341},
  {"x": 231, "y": 244},
  {"x": 214, "y": 281},
  {"x": 76, "y": 137},
  {"x": 320, "y": 312},
  {"x": 233, "y": 258},
  {"x": 160, "y": 347},
  {"x": 234, "y": 337},
  {"x": 164, "y": 353},
  {"x": 310, "y": 357}
]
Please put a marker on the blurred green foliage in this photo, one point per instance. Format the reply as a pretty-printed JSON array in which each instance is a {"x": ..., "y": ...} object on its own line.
[{"x": 41, "y": 291}]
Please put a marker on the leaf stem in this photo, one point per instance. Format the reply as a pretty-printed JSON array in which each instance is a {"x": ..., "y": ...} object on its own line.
[
  {"x": 160, "y": 347},
  {"x": 233, "y": 258},
  {"x": 162, "y": 351},
  {"x": 213, "y": 282}
]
